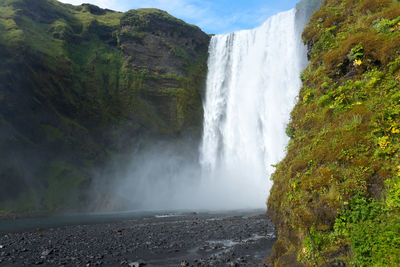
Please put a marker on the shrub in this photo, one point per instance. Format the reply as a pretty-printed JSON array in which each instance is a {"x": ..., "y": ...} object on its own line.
[
  {"x": 373, "y": 5},
  {"x": 386, "y": 25},
  {"x": 374, "y": 232},
  {"x": 356, "y": 53},
  {"x": 324, "y": 100}
]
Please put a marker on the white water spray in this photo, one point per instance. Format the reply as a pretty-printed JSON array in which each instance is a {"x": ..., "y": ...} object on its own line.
[{"x": 252, "y": 84}]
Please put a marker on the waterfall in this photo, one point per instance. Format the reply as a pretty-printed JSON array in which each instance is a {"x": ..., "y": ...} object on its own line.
[
  {"x": 252, "y": 84},
  {"x": 253, "y": 80}
]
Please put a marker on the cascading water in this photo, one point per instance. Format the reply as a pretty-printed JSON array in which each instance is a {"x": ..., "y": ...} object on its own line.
[{"x": 252, "y": 84}]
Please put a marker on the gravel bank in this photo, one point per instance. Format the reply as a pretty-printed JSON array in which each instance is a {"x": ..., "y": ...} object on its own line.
[{"x": 224, "y": 239}]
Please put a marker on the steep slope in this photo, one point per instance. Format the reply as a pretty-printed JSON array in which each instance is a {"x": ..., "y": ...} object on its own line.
[
  {"x": 336, "y": 195},
  {"x": 79, "y": 85}
]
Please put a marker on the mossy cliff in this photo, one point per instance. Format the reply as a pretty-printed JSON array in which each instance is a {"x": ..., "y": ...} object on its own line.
[
  {"x": 336, "y": 195},
  {"x": 79, "y": 85}
]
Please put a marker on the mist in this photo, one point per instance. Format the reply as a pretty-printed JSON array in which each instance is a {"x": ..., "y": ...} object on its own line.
[{"x": 167, "y": 175}]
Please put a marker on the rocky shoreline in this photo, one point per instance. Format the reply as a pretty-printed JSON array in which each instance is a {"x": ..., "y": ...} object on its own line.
[{"x": 223, "y": 239}]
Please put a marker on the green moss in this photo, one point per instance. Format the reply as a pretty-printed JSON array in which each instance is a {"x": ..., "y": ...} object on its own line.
[
  {"x": 386, "y": 25},
  {"x": 335, "y": 194},
  {"x": 52, "y": 133},
  {"x": 136, "y": 36},
  {"x": 23, "y": 204},
  {"x": 10, "y": 32},
  {"x": 179, "y": 52},
  {"x": 63, "y": 181},
  {"x": 110, "y": 18},
  {"x": 141, "y": 17},
  {"x": 6, "y": 11}
]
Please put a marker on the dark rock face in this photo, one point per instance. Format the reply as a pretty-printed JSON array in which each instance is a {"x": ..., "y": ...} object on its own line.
[
  {"x": 79, "y": 84},
  {"x": 159, "y": 42}
]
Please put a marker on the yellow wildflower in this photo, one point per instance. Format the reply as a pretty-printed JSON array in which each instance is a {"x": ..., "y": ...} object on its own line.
[
  {"x": 357, "y": 62},
  {"x": 383, "y": 142}
]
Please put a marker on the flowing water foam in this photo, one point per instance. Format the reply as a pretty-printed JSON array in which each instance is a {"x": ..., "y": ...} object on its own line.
[{"x": 252, "y": 84}]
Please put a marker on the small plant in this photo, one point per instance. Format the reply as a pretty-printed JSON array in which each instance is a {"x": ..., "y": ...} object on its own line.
[
  {"x": 324, "y": 100},
  {"x": 386, "y": 26},
  {"x": 395, "y": 65},
  {"x": 290, "y": 131},
  {"x": 356, "y": 55},
  {"x": 393, "y": 198}
]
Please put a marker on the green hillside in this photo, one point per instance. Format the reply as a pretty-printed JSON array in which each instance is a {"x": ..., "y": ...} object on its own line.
[
  {"x": 80, "y": 85},
  {"x": 336, "y": 195}
]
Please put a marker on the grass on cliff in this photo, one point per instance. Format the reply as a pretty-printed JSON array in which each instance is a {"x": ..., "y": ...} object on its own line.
[{"x": 338, "y": 189}]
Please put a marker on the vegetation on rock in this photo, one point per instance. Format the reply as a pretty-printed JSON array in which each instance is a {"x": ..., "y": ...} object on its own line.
[
  {"x": 336, "y": 195},
  {"x": 81, "y": 84}
]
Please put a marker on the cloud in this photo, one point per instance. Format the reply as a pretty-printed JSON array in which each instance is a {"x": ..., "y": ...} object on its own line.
[
  {"x": 211, "y": 16},
  {"x": 184, "y": 8},
  {"x": 191, "y": 11},
  {"x": 110, "y": 4}
]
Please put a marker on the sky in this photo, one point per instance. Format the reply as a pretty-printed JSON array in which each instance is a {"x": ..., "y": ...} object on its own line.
[{"x": 212, "y": 16}]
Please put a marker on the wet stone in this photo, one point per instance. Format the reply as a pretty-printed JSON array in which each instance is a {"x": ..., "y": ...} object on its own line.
[{"x": 225, "y": 239}]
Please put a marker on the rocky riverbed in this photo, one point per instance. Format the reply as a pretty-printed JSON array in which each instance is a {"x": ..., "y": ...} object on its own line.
[{"x": 223, "y": 239}]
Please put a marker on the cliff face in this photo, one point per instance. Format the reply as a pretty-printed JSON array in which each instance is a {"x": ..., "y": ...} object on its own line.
[
  {"x": 336, "y": 195},
  {"x": 80, "y": 84}
]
